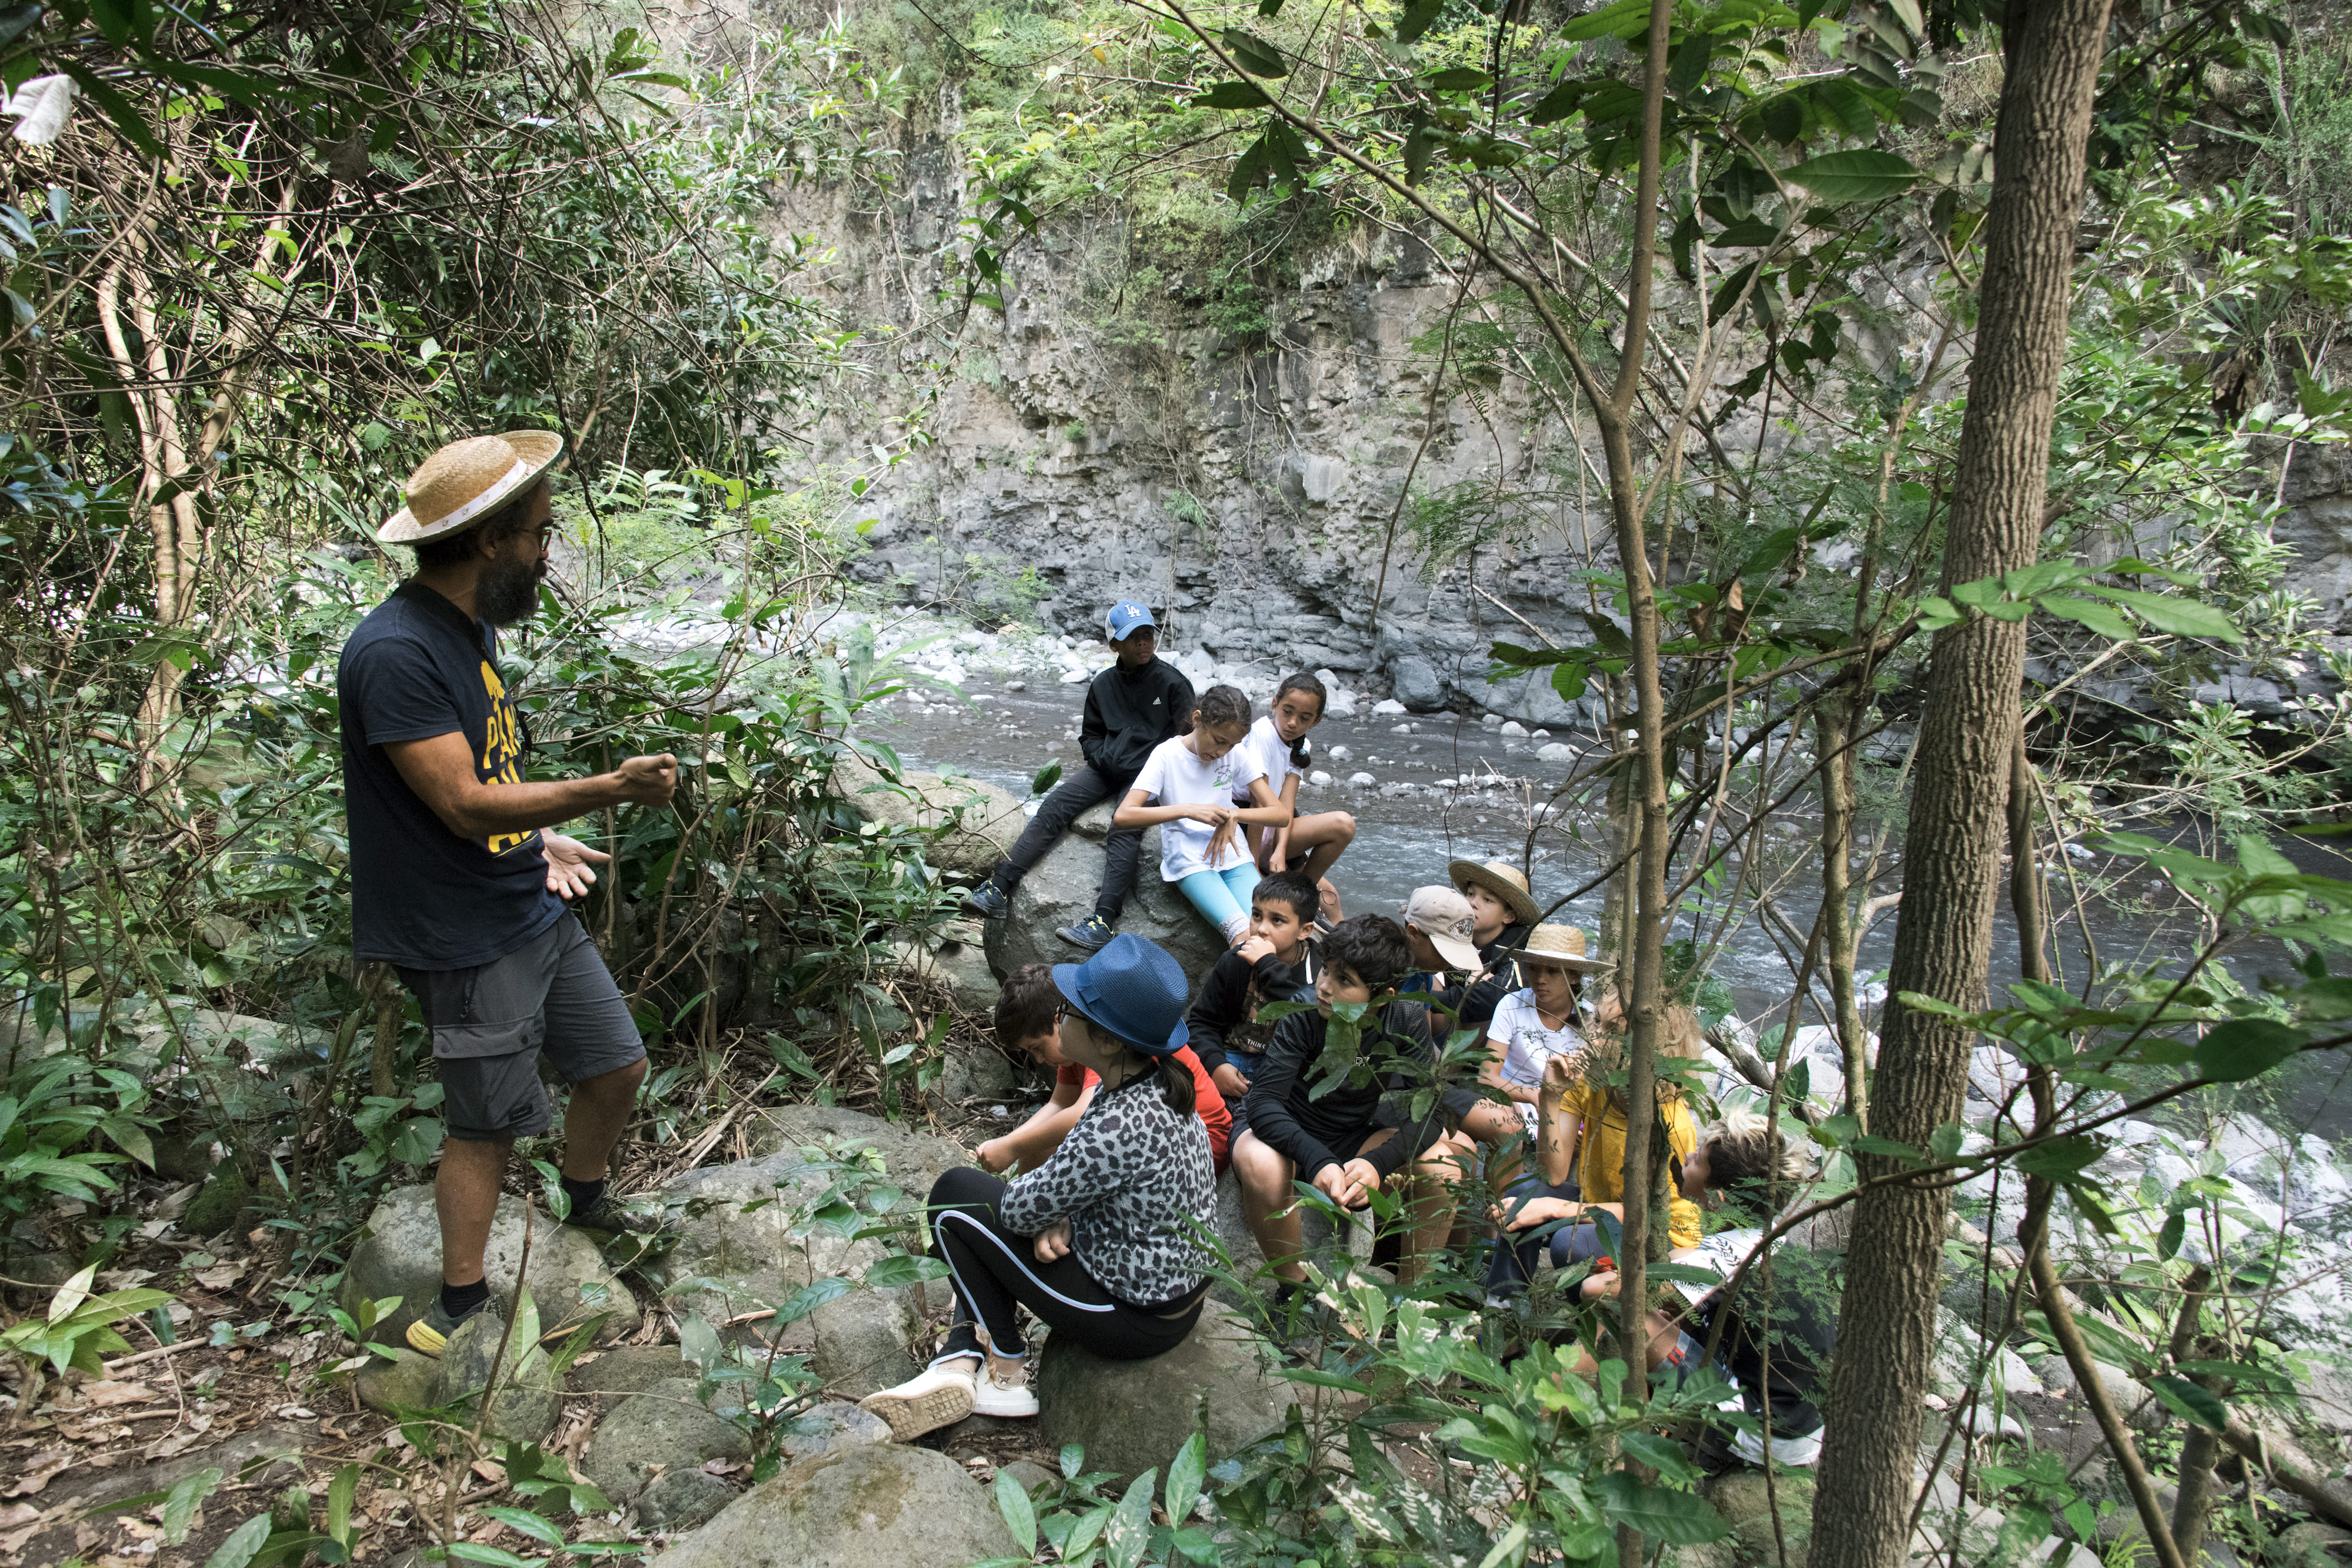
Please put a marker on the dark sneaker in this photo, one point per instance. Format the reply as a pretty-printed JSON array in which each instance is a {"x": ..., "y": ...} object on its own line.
[
  {"x": 987, "y": 902},
  {"x": 1092, "y": 934},
  {"x": 431, "y": 1332},
  {"x": 609, "y": 1219}
]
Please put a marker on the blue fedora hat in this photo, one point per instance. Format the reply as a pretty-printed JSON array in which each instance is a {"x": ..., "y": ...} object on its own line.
[{"x": 1131, "y": 989}]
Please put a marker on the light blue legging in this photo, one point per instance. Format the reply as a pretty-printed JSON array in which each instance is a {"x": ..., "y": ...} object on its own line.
[{"x": 1223, "y": 895}]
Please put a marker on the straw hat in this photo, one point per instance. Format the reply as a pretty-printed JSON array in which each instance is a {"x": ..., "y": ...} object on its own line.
[
  {"x": 464, "y": 482},
  {"x": 1560, "y": 947},
  {"x": 1505, "y": 882}
]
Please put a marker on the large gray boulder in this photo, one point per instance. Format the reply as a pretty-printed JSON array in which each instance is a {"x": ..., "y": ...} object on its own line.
[
  {"x": 956, "y": 959},
  {"x": 977, "y": 822},
  {"x": 1060, "y": 891},
  {"x": 881, "y": 1505},
  {"x": 524, "y": 1404},
  {"x": 865, "y": 1341},
  {"x": 1327, "y": 1245},
  {"x": 664, "y": 1428},
  {"x": 736, "y": 1219},
  {"x": 1132, "y": 1415},
  {"x": 399, "y": 1254}
]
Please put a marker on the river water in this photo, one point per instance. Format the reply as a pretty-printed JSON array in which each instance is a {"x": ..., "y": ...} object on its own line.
[{"x": 1452, "y": 789}]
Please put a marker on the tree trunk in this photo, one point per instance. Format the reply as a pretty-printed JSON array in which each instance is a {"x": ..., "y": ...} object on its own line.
[{"x": 1952, "y": 850}]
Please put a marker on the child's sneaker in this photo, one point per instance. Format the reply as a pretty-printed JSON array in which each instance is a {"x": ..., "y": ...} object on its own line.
[
  {"x": 430, "y": 1334},
  {"x": 939, "y": 1397},
  {"x": 991, "y": 1397},
  {"x": 1093, "y": 934},
  {"x": 987, "y": 902}
]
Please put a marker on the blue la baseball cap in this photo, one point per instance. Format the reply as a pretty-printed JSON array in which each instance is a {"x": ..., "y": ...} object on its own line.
[{"x": 1126, "y": 616}]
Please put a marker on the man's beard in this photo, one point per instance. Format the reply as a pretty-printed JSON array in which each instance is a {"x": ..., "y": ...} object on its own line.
[{"x": 507, "y": 593}]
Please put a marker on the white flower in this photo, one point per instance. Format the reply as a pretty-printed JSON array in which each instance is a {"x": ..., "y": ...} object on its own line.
[{"x": 41, "y": 107}]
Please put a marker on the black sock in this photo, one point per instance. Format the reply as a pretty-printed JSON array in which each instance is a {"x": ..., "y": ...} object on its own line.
[
  {"x": 582, "y": 1196},
  {"x": 458, "y": 1300},
  {"x": 1286, "y": 1292}
]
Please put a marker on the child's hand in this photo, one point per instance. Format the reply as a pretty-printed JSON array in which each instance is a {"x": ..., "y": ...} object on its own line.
[
  {"x": 1561, "y": 1073},
  {"x": 1053, "y": 1243},
  {"x": 1227, "y": 841},
  {"x": 1228, "y": 1080},
  {"x": 1253, "y": 949},
  {"x": 1599, "y": 1285},
  {"x": 995, "y": 1156},
  {"x": 1536, "y": 1211},
  {"x": 1215, "y": 813}
]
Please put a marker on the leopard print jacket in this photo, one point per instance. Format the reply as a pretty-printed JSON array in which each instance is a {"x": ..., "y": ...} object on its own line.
[{"x": 1131, "y": 1177}]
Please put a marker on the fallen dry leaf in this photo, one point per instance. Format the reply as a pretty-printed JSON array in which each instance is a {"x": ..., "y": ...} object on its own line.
[
  {"x": 221, "y": 1277},
  {"x": 490, "y": 1471},
  {"x": 17, "y": 1513},
  {"x": 37, "y": 1471},
  {"x": 101, "y": 1394}
]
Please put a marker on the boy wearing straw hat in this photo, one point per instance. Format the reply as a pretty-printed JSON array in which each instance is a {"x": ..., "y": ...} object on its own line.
[
  {"x": 457, "y": 880},
  {"x": 1502, "y": 913}
]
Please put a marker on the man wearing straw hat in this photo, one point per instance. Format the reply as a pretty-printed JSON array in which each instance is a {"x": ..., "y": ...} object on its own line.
[{"x": 457, "y": 880}]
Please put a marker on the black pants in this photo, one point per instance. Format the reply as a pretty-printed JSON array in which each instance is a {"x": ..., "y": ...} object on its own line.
[
  {"x": 1060, "y": 807},
  {"x": 993, "y": 1269}
]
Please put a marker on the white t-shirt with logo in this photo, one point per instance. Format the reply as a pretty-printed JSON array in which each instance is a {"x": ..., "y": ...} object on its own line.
[
  {"x": 1527, "y": 1044},
  {"x": 1173, "y": 775},
  {"x": 1265, "y": 746}
]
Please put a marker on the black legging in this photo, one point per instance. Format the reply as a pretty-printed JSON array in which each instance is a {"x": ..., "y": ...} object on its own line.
[{"x": 994, "y": 1269}]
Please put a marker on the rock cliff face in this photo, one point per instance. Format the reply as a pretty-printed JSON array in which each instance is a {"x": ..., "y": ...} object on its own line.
[{"x": 1241, "y": 465}]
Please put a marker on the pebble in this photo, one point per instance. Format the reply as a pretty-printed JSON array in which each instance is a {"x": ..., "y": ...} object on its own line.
[
  {"x": 1401, "y": 729},
  {"x": 1492, "y": 721},
  {"x": 1340, "y": 754},
  {"x": 1319, "y": 779},
  {"x": 1016, "y": 685},
  {"x": 1388, "y": 706},
  {"x": 1361, "y": 780},
  {"x": 1557, "y": 751},
  {"x": 1514, "y": 729}
]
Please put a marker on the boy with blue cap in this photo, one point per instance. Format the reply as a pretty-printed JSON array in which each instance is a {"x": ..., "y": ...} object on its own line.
[
  {"x": 1098, "y": 1242},
  {"x": 1141, "y": 701}
]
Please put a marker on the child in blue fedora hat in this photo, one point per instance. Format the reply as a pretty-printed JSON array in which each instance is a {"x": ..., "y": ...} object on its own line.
[{"x": 1098, "y": 1242}]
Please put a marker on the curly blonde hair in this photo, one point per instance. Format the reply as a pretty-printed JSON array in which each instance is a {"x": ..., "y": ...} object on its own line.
[
  {"x": 1606, "y": 1048},
  {"x": 1743, "y": 1147}
]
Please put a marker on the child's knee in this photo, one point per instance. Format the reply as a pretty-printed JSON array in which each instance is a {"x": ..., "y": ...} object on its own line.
[{"x": 1343, "y": 828}]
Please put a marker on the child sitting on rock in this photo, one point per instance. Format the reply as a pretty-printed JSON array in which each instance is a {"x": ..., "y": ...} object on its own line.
[
  {"x": 1276, "y": 964},
  {"x": 1502, "y": 913},
  {"x": 1028, "y": 1021},
  {"x": 1778, "y": 1325},
  {"x": 1439, "y": 928},
  {"x": 1531, "y": 1029},
  {"x": 1132, "y": 706},
  {"x": 1345, "y": 1140},
  {"x": 1278, "y": 744},
  {"x": 1580, "y": 1135},
  {"x": 1098, "y": 1242},
  {"x": 1187, "y": 788}
]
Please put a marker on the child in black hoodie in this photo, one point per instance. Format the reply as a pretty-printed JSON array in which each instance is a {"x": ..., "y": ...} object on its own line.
[
  {"x": 1360, "y": 1133},
  {"x": 1277, "y": 963}
]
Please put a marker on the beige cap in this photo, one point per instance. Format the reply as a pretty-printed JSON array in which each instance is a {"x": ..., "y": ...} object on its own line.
[
  {"x": 1506, "y": 882},
  {"x": 465, "y": 482},
  {"x": 1443, "y": 916},
  {"x": 1560, "y": 947}
]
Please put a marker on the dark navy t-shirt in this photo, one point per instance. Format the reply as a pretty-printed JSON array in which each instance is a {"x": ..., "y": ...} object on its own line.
[{"x": 422, "y": 897}]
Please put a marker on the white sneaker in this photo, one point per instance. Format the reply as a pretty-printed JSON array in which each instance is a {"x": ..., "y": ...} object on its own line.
[
  {"x": 991, "y": 1397},
  {"x": 940, "y": 1396}
]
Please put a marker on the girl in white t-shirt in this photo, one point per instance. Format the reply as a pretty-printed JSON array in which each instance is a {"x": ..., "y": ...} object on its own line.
[
  {"x": 1188, "y": 787},
  {"x": 1308, "y": 845}
]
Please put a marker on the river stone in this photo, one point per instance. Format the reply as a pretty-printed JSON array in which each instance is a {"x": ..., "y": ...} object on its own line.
[
  {"x": 830, "y": 1426},
  {"x": 1060, "y": 891},
  {"x": 1417, "y": 683},
  {"x": 975, "y": 1072},
  {"x": 864, "y": 1342},
  {"x": 1740, "y": 1497},
  {"x": 881, "y": 1505},
  {"x": 1323, "y": 1245},
  {"x": 664, "y": 1428},
  {"x": 913, "y": 1160},
  {"x": 961, "y": 966},
  {"x": 523, "y": 1408},
  {"x": 1131, "y": 1416},
  {"x": 403, "y": 1383},
  {"x": 679, "y": 1500},
  {"x": 632, "y": 1369},
  {"x": 981, "y": 821},
  {"x": 399, "y": 1254}
]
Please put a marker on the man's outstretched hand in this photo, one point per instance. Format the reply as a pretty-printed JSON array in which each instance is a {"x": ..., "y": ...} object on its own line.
[
  {"x": 647, "y": 780},
  {"x": 569, "y": 864}
]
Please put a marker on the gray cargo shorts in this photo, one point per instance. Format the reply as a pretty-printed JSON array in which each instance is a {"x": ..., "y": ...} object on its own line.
[{"x": 490, "y": 1023}]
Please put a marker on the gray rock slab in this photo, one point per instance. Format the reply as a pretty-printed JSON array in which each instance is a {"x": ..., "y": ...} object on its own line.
[
  {"x": 523, "y": 1405},
  {"x": 878, "y": 1506},
  {"x": 1060, "y": 891},
  {"x": 399, "y": 1254},
  {"x": 664, "y": 1429},
  {"x": 863, "y": 1342},
  {"x": 632, "y": 1369},
  {"x": 976, "y": 821},
  {"x": 1132, "y": 1415},
  {"x": 830, "y": 1426}
]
